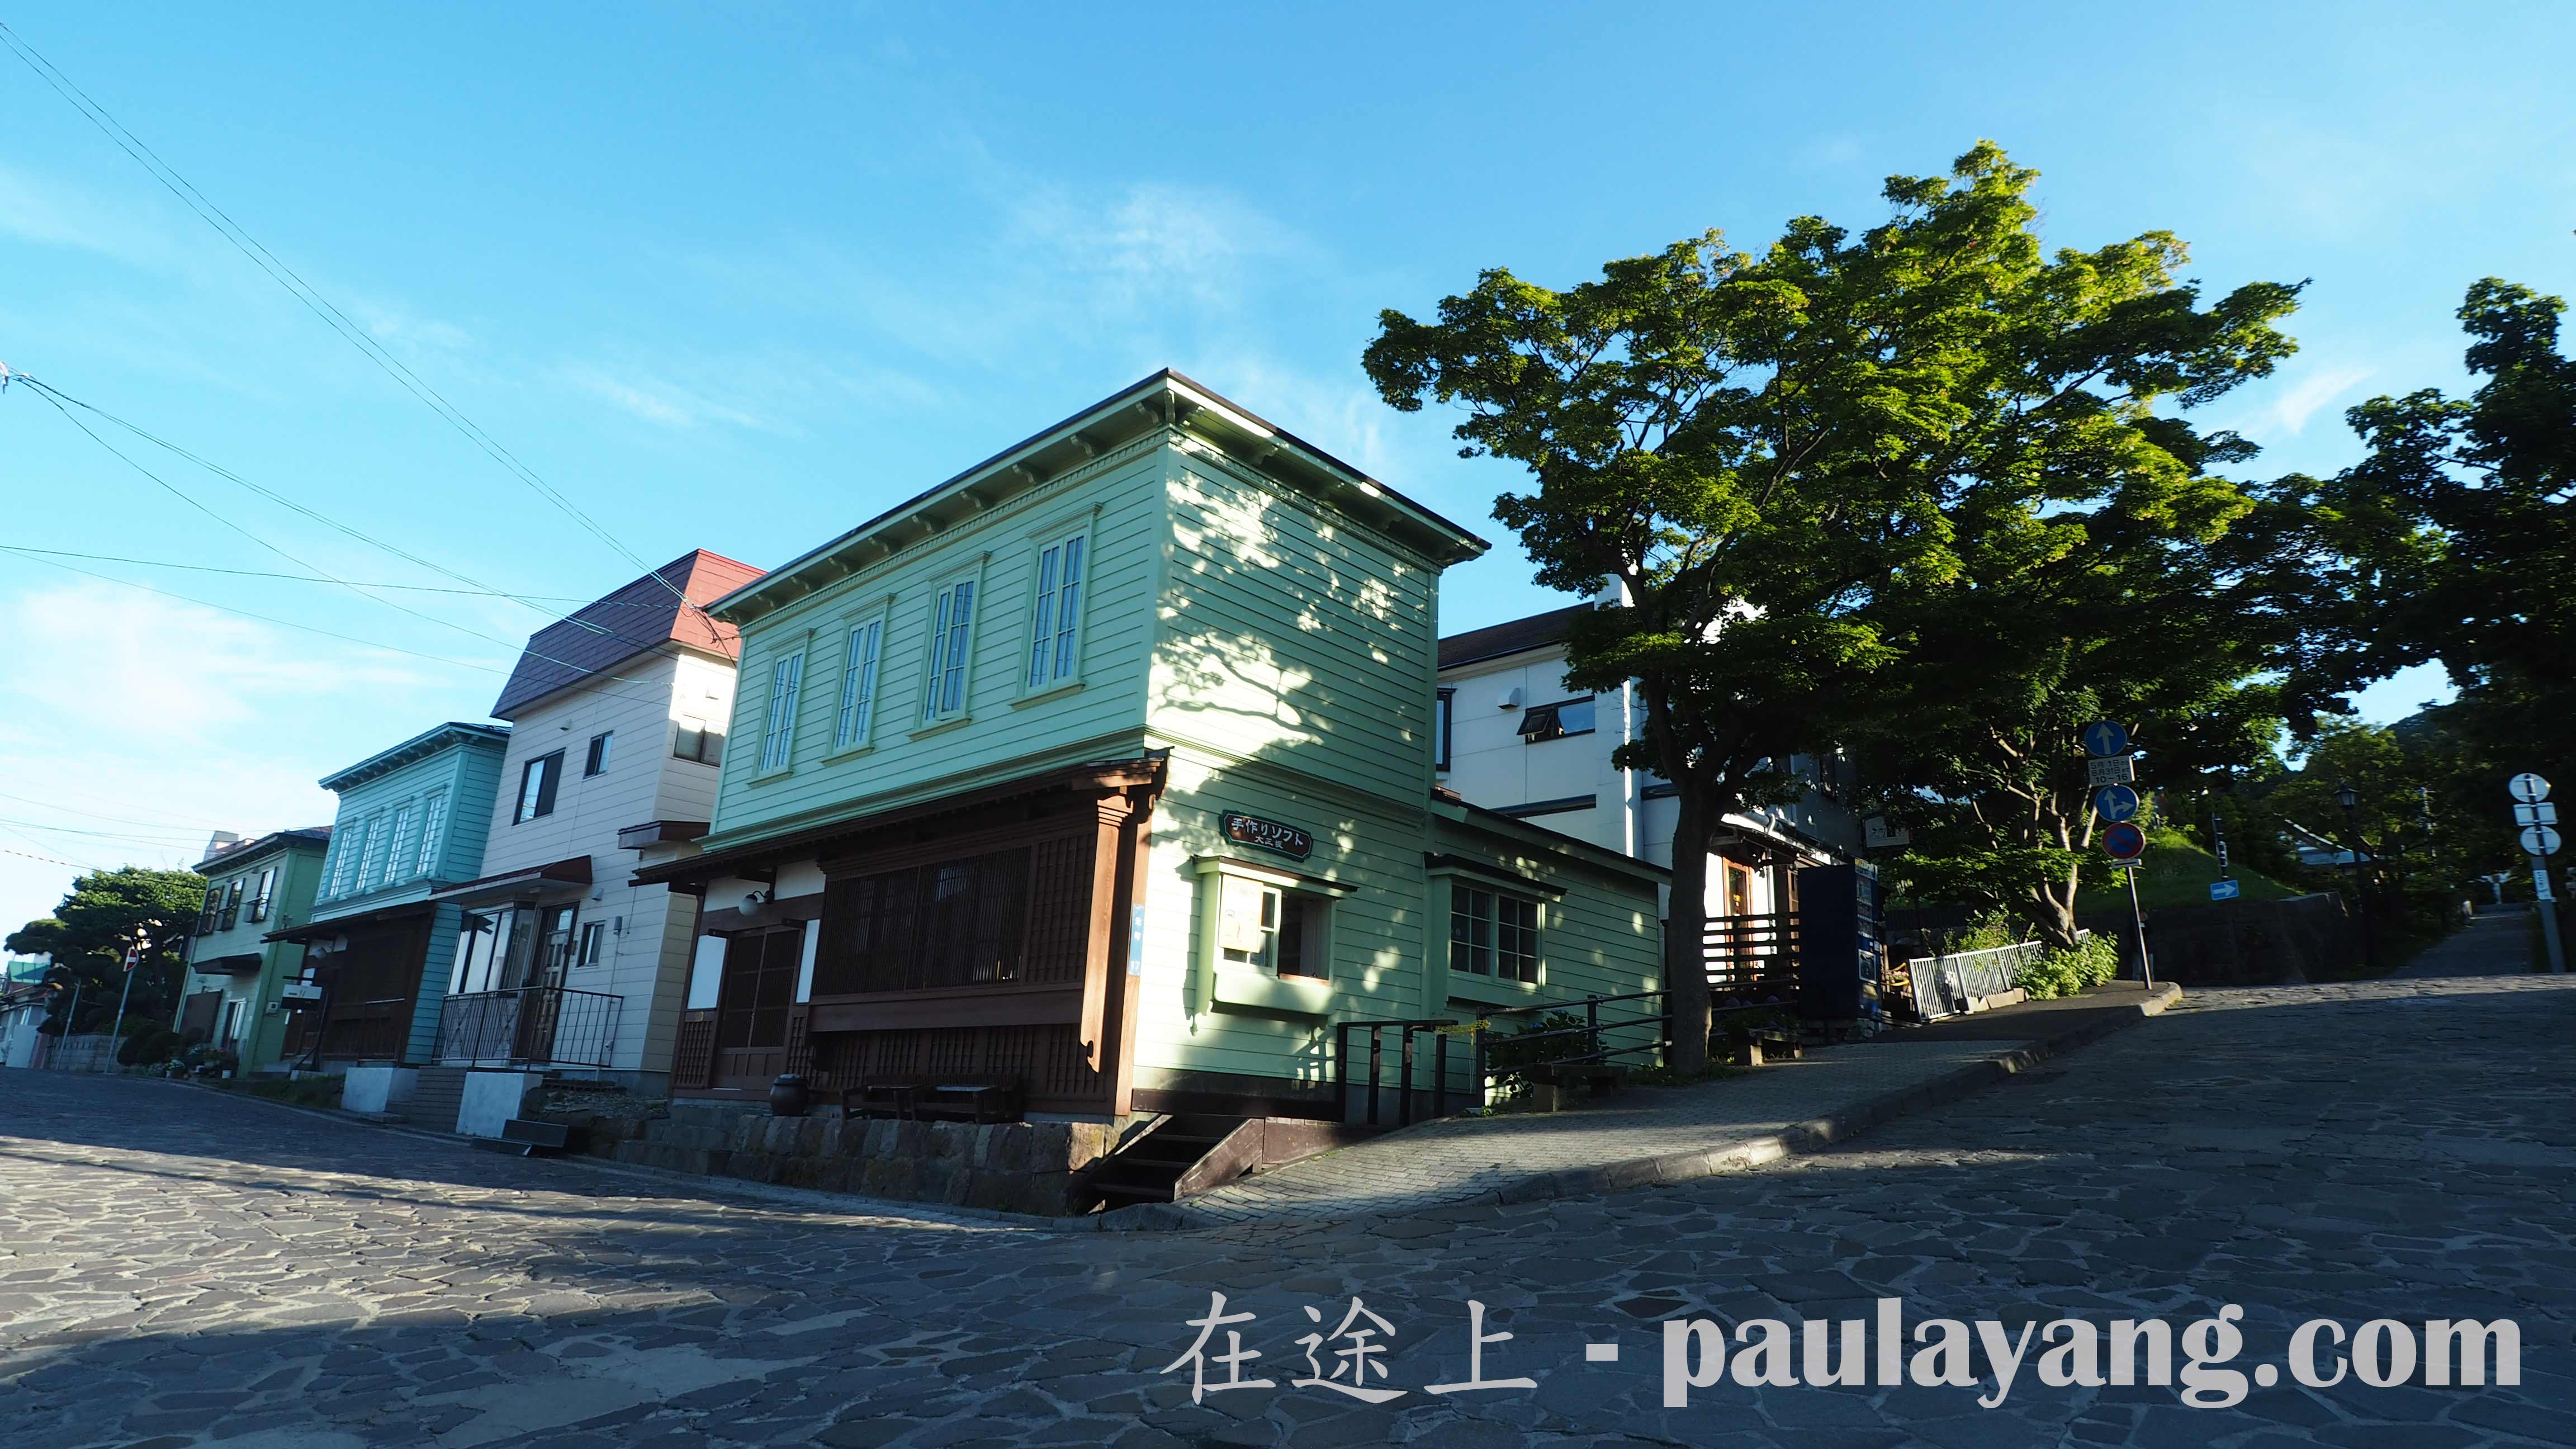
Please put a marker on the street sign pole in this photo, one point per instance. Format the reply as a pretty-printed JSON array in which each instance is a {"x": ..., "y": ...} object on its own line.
[
  {"x": 2146, "y": 965},
  {"x": 133, "y": 958},
  {"x": 2540, "y": 841}
]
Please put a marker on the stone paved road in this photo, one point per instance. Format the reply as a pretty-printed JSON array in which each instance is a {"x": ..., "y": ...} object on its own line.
[{"x": 179, "y": 1268}]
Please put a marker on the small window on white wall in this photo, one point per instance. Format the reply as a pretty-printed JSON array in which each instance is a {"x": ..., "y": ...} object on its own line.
[{"x": 1055, "y": 624}]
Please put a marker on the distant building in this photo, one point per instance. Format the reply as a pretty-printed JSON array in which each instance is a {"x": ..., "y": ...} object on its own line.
[
  {"x": 1514, "y": 737},
  {"x": 236, "y": 995},
  {"x": 411, "y": 823}
]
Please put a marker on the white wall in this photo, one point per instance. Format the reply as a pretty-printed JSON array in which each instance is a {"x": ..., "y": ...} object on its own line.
[{"x": 645, "y": 956}]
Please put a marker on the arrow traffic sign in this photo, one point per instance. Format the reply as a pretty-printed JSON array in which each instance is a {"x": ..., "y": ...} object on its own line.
[
  {"x": 2528, "y": 788},
  {"x": 2539, "y": 840},
  {"x": 2124, "y": 841},
  {"x": 2103, "y": 739},
  {"x": 2223, "y": 890},
  {"x": 2115, "y": 802}
]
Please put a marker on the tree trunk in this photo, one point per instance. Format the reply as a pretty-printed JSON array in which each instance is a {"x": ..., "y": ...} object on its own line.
[
  {"x": 2053, "y": 913},
  {"x": 1685, "y": 924}
]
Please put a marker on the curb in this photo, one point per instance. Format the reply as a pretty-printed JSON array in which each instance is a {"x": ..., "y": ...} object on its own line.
[{"x": 1742, "y": 1154}]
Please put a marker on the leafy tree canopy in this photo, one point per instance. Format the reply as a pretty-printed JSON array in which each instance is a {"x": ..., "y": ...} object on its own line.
[{"x": 88, "y": 934}]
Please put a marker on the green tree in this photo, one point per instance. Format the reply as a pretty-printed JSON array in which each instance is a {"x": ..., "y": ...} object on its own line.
[
  {"x": 1762, "y": 451},
  {"x": 88, "y": 934}
]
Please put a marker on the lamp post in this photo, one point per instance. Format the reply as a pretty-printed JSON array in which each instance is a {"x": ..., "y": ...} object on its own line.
[{"x": 2350, "y": 799}]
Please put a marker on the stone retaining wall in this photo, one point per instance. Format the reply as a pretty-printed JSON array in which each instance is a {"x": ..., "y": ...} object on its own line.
[{"x": 1024, "y": 1167}]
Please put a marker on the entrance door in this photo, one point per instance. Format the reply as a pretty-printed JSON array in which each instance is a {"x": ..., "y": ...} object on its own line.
[{"x": 751, "y": 1006}]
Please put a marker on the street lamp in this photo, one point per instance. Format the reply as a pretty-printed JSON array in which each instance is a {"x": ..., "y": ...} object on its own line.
[{"x": 2350, "y": 799}]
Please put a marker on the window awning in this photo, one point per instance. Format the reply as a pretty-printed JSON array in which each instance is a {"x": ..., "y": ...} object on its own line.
[
  {"x": 235, "y": 965},
  {"x": 516, "y": 884}
]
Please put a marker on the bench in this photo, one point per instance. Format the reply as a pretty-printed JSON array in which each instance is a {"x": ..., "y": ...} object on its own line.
[{"x": 932, "y": 1099}]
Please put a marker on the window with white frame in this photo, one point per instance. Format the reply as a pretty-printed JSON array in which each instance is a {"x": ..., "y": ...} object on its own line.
[
  {"x": 433, "y": 817},
  {"x": 1493, "y": 934},
  {"x": 952, "y": 635},
  {"x": 1264, "y": 926},
  {"x": 259, "y": 900},
  {"x": 371, "y": 863},
  {"x": 341, "y": 870},
  {"x": 400, "y": 848},
  {"x": 858, "y": 685},
  {"x": 594, "y": 943},
  {"x": 1055, "y": 624},
  {"x": 778, "y": 728}
]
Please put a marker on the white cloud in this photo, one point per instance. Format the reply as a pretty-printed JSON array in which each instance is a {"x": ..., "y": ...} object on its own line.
[
  {"x": 175, "y": 720},
  {"x": 55, "y": 214},
  {"x": 2287, "y": 414}
]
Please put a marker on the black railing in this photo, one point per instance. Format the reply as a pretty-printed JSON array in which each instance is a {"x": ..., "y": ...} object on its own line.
[
  {"x": 1527, "y": 1055},
  {"x": 537, "y": 1026}
]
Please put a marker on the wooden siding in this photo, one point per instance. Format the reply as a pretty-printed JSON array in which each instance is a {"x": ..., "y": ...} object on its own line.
[
  {"x": 1125, "y": 489},
  {"x": 1293, "y": 636},
  {"x": 1376, "y": 932}
]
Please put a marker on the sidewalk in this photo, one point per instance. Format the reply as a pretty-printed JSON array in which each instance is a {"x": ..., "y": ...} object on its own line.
[
  {"x": 1661, "y": 1134},
  {"x": 2497, "y": 943}
]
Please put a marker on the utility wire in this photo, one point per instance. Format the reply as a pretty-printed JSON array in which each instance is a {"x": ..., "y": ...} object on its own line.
[
  {"x": 174, "y": 844},
  {"x": 175, "y": 826},
  {"x": 47, "y": 859},
  {"x": 272, "y": 619},
  {"x": 303, "y": 291},
  {"x": 58, "y": 398},
  {"x": 155, "y": 563}
]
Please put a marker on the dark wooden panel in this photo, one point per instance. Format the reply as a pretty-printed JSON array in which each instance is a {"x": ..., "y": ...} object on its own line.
[
  {"x": 1045, "y": 1061},
  {"x": 914, "y": 1011}
]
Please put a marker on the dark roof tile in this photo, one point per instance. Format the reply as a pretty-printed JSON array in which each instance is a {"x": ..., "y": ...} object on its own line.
[{"x": 642, "y": 616}]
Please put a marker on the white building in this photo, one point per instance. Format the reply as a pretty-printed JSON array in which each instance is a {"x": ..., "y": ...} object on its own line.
[
  {"x": 618, "y": 722},
  {"x": 1514, "y": 737}
]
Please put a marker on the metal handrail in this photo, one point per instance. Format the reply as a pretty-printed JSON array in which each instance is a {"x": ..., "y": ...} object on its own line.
[{"x": 1443, "y": 1028}]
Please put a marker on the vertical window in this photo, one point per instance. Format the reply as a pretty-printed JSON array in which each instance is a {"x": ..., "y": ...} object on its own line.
[
  {"x": 260, "y": 898},
  {"x": 1055, "y": 642},
  {"x": 952, "y": 624},
  {"x": 232, "y": 1020},
  {"x": 210, "y": 910},
  {"x": 433, "y": 816},
  {"x": 537, "y": 781},
  {"x": 1491, "y": 934},
  {"x": 778, "y": 733},
  {"x": 345, "y": 843},
  {"x": 1442, "y": 706},
  {"x": 399, "y": 846},
  {"x": 371, "y": 862},
  {"x": 232, "y": 903},
  {"x": 596, "y": 763},
  {"x": 594, "y": 941},
  {"x": 858, "y": 685}
]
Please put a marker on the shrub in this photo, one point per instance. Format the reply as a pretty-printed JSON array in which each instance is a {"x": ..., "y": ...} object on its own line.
[
  {"x": 2053, "y": 974},
  {"x": 150, "y": 1046},
  {"x": 1515, "y": 1062}
]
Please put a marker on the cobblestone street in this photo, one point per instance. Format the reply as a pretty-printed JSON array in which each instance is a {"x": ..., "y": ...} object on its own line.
[{"x": 180, "y": 1267}]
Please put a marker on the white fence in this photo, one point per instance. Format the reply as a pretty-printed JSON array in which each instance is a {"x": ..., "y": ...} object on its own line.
[{"x": 1946, "y": 985}]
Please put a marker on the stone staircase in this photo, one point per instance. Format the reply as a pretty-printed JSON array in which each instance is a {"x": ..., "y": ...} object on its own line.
[{"x": 437, "y": 1095}]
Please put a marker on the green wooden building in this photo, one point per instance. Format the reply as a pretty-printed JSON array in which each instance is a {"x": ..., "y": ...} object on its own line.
[
  {"x": 1103, "y": 771},
  {"x": 240, "y": 992}
]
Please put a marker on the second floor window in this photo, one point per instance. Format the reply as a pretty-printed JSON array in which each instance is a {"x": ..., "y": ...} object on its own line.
[
  {"x": 778, "y": 732},
  {"x": 1055, "y": 627},
  {"x": 537, "y": 781},
  {"x": 858, "y": 685},
  {"x": 371, "y": 863},
  {"x": 952, "y": 632},
  {"x": 208, "y": 913},
  {"x": 1556, "y": 721},
  {"x": 232, "y": 904},
  {"x": 597, "y": 761},
  {"x": 260, "y": 898},
  {"x": 433, "y": 817},
  {"x": 1443, "y": 706}
]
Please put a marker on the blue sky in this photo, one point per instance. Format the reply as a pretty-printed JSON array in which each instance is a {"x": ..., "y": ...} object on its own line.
[{"x": 736, "y": 277}]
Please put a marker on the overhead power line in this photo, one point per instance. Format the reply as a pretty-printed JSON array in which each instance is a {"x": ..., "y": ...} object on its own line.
[
  {"x": 158, "y": 563},
  {"x": 320, "y": 306}
]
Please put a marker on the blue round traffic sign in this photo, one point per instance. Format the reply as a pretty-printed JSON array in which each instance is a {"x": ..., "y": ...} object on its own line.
[
  {"x": 2103, "y": 739},
  {"x": 2125, "y": 841},
  {"x": 2115, "y": 802}
]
